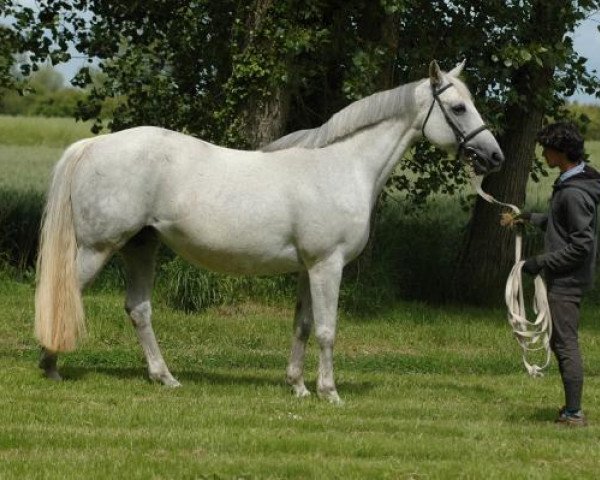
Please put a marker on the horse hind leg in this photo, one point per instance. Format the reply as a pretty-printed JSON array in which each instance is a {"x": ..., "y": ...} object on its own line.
[
  {"x": 49, "y": 365},
  {"x": 302, "y": 326},
  {"x": 139, "y": 255},
  {"x": 89, "y": 263}
]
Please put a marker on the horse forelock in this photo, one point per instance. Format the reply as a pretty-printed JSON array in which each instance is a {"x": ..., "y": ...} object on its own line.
[{"x": 363, "y": 113}]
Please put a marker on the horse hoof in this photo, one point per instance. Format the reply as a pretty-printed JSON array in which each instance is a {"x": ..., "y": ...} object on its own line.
[
  {"x": 166, "y": 379},
  {"x": 300, "y": 391},
  {"x": 332, "y": 397},
  {"x": 172, "y": 383}
]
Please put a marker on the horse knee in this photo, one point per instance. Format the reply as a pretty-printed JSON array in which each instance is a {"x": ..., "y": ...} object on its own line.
[
  {"x": 302, "y": 331},
  {"x": 325, "y": 336}
]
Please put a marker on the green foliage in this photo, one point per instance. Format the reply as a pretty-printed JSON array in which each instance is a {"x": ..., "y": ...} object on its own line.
[
  {"x": 208, "y": 68},
  {"x": 7, "y": 49},
  {"x": 43, "y": 93},
  {"x": 20, "y": 214},
  {"x": 60, "y": 103},
  {"x": 589, "y": 118},
  {"x": 9, "y": 45}
]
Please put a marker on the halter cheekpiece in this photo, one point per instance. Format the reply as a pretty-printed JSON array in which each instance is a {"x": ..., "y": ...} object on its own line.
[{"x": 461, "y": 137}]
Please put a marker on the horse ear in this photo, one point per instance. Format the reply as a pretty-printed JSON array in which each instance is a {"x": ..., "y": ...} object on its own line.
[
  {"x": 456, "y": 71},
  {"x": 435, "y": 74}
]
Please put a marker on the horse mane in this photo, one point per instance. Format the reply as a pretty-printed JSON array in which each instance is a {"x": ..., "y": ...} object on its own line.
[{"x": 358, "y": 115}]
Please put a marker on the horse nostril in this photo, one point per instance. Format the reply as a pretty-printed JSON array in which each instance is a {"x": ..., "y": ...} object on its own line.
[{"x": 497, "y": 158}]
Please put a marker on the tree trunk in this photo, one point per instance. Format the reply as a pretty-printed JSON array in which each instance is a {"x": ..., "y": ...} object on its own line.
[
  {"x": 488, "y": 249},
  {"x": 262, "y": 118}
]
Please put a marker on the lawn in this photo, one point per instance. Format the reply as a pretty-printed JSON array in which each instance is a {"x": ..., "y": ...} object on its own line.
[{"x": 429, "y": 393}]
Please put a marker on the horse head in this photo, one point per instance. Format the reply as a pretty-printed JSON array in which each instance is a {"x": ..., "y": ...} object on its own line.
[{"x": 452, "y": 122}]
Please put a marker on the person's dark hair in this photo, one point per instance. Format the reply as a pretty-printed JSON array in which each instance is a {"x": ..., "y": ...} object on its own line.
[{"x": 564, "y": 137}]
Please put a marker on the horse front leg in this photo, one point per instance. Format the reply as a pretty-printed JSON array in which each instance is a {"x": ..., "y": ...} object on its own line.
[
  {"x": 303, "y": 320},
  {"x": 325, "y": 278}
]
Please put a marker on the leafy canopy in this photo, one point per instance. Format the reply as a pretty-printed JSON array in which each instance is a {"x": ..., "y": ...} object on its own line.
[{"x": 193, "y": 66}]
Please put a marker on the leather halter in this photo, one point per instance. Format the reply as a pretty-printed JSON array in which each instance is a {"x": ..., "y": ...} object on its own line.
[{"x": 461, "y": 137}]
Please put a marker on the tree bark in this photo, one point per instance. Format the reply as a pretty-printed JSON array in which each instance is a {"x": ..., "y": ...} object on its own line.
[
  {"x": 488, "y": 249},
  {"x": 262, "y": 117}
]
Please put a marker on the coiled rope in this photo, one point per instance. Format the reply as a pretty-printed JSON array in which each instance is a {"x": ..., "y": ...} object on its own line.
[{"x": 531, "y": 336}]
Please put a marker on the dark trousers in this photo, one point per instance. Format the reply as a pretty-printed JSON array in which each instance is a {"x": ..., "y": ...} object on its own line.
[{"x": 565, "y": 345}]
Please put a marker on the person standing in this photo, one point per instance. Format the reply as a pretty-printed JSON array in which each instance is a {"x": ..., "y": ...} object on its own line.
[{"x": 570, "y": 246}]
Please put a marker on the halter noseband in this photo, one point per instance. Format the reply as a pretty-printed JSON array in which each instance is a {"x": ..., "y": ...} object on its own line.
[{"x": 461, "y": 137}]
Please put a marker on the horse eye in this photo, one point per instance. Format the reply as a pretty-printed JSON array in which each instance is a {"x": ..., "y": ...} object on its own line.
[{"x": 459, "y": 108}]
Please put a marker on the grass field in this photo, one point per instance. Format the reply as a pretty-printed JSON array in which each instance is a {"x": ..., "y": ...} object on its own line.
[
  {"x": 30, "y": 146},
  {"x": 430, "y": 392},
  {"x": 41, "y": 131}
]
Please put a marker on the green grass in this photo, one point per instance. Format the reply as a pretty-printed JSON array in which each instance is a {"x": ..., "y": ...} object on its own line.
[
  {"x": 27, "y": 168},
  {"x": 429, "y": 393},
  {"x": 41, "y": 131},
  {"x": 30, "y": 146}
]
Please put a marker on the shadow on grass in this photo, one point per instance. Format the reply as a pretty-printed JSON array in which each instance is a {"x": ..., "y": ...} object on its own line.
[
  {"x": 543, "y": 415},
  {"x": 259, "y": 370},
  {"x": 202, "y": 377},
  {"x": 463, "y": 389}
]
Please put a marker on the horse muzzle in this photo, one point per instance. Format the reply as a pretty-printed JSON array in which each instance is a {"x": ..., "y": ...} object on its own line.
[{"x": 484, "y": 163}]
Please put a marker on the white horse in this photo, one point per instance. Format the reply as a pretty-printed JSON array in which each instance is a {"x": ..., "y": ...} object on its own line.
[{"x": 302, "y": 204}]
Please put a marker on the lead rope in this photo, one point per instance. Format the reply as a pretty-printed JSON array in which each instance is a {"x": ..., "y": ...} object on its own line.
[{"x": 531, "y": 336}]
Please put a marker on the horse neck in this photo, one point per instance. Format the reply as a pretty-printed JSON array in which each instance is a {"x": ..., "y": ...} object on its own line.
[{"x": 375, "y": 151}]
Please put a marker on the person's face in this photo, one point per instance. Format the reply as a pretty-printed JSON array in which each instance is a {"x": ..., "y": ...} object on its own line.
[{"x": 554, "y": 158}]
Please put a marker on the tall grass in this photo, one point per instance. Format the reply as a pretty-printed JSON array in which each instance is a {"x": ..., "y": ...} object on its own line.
[
  {"x": 41, "y": 131},
  {"x": 20, "y": 215},
  {"x": 27, "y": 168}
]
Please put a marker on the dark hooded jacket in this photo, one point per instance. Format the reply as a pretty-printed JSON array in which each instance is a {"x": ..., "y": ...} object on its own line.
[{"x": 570, "y": 243}]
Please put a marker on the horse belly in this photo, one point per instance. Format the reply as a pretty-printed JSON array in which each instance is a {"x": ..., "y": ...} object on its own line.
[{"x": 233, "y": 251}]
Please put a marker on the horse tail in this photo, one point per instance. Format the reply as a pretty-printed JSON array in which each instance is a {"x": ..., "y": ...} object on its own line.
[{"x": 59, "y": 317}]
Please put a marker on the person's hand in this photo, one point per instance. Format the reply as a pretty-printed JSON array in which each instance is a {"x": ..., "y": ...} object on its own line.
[
  {"x": 532, "y": 267},
  {"x": 511, "y": 219}
]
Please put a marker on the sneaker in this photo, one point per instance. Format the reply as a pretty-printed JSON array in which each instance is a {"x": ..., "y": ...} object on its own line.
[{"x": 570, "y": 418}]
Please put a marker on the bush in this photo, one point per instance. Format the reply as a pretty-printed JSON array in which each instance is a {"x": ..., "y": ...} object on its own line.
[
  {"x": 20, "y": 216},
  {"x": 192, "y": 289},
  {"x": 60, "y": 103},
  {"x": 592, "y": 114}
]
